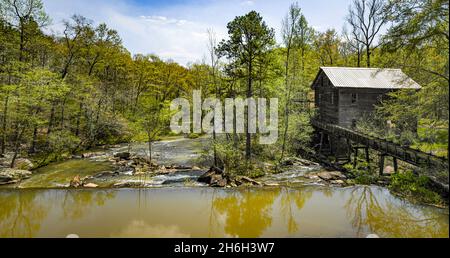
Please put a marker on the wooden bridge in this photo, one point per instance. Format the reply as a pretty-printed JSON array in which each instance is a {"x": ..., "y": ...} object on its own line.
[{"x": 384, "y": 147}]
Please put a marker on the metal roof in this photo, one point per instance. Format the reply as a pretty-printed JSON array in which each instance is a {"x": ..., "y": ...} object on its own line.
[{"x": 378, "y": 78}]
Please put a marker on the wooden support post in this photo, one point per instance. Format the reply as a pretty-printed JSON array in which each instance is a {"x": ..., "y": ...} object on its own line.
[
  {"x": 330, "y": 144},
  {"x": 366, "y": 149},
  {"x": 381, "y": 164},
  {"x": 394, "y": 159},
  {"x": 355, "y": 157},
  {"x": 321, "y": 142},
  {"x": 349, "y": 151}
]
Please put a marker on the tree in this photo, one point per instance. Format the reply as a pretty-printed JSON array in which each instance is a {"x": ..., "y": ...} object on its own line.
[
  {"x": 366, "y": 18},
  {"x": 353, "y": 44},
  {"x": 326, "y": 45},
  {"x": 22, "y": 14},
  {"x": 417, "y": 42},
  {"x": 212, "y": 44},
  {"x": 153, "y": 119},
  {"x": 291, "y": 32},
  {"x": 249, "y": 39}
]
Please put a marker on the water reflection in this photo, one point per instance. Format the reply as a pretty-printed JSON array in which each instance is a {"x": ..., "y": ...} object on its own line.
[
  {"x": 20, "y": 214},
  {"x": 248, "y": 212},
  {"x": 205, "y": 212},
  {"x": 393, "y": 217},
  {"x": 23, "y": 211},
  {"x": 290, "y": 198},
  {"x": 75, "y": 205}
]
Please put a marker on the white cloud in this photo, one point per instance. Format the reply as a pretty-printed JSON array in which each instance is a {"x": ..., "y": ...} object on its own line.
[
  {"x": 178, "y": 31},
  {"x": 247, "y": 3}
]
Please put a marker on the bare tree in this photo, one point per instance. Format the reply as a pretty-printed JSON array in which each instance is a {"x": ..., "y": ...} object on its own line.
[
  {"x": 212, "y": 44},
  {"x": 366, "y": 18},
  {"x": 355, "y": 45}
]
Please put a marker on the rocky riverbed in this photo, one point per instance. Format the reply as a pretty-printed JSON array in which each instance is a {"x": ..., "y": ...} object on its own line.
[{"x": 175, "y": 162}]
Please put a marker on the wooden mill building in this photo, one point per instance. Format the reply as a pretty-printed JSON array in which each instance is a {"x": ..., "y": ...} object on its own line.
[{"x": 344, "y": 94}]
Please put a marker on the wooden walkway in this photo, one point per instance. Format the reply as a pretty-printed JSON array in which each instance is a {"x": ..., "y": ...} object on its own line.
[{"x": 386, "y": 148}]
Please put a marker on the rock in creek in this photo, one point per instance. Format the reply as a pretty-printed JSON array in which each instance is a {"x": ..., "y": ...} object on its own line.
[
  {"x": 92, "y": 154},
  {"x": 215, "y": 177},
  {"x": 296, "y": 161},
  {"x": 10, "y": 176},
  {"x": 208, "y": 175},
  {"x": 123, "y": 155},
  {"x": 218, "y": 180},
  {"x": 332, "y": 175},
  {"x": 75, "y": 182},
  {"x": 90, "y": 185},
  {"x": 248, "y": 180},
  {"x": 129, "y": 184}
]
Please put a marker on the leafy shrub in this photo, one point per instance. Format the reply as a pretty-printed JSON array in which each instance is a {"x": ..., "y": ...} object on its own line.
[
  {"x": 362, "y": 174},
  {"x": 416, "y": 187},
  {"x": 234, "y": 162}
]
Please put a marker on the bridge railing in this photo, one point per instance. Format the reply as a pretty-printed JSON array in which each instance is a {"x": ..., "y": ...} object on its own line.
[{"x": 407, "y": 154}]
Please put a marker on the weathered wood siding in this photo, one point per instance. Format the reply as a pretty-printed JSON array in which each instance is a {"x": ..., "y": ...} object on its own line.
[
  {"x": 366, "y": 99},
  {"x": 326, "y": 100}
]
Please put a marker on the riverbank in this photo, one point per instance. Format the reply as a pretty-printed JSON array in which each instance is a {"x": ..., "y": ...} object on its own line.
[{"x": 176, "y": 162}]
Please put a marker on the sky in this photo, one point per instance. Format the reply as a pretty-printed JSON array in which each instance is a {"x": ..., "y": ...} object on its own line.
[{"x": 177, "y": 30}]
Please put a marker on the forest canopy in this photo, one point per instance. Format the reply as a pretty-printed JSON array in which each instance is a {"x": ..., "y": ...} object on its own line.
[{"x": 81, "y": 88}]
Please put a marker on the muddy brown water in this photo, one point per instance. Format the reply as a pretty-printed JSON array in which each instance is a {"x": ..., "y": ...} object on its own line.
[{"x": 310, "y": 211}]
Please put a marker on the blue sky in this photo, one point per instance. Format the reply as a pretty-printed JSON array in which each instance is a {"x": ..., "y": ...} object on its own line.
[{"x": 177, "y": 29}]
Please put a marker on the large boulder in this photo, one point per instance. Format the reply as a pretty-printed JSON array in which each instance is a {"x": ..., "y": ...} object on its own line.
[{"x": 10, "y": 176}]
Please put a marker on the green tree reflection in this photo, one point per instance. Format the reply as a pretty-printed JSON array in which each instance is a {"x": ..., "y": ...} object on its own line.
[
  {"x": 248, "y": 211},
  {"x": 21, "y": 213},
  {"x": 392, "y": 217}
]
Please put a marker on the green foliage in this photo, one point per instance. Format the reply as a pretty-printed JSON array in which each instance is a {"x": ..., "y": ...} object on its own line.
[
  {"x": 413, "y": 186},
  {"x": 232, "y": 160},
  {"x": 362, "y": 174},
  {"x": 193, "y": 136}
]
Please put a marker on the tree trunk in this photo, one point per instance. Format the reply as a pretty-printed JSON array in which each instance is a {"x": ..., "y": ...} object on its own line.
[
  {"x": 286, "y": 108},
  {"x": 22, "y": 40},
  {"x": 77, "y": 130},
  {"x": 4, "y": 120},
  {"x": 17, "y": 146},
  {"x": 33, "y": 143},
  {"x": 248, "y": 143},
  {"x": 359, "y": 57},
  {"x": 62, "y": 111},
  {"x": 52, "y": 117},
  {"x": 368, "y": 56},
  {"x": 150, "y": 150}
]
